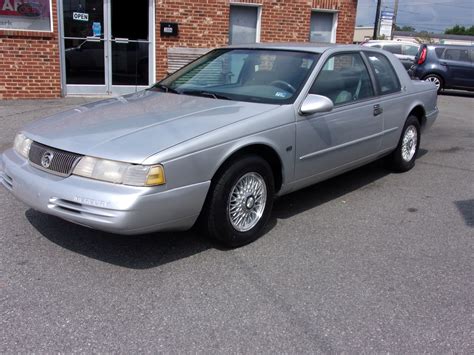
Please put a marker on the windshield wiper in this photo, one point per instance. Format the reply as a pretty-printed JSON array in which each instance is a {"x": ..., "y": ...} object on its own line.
[
  {"x": 165, "y": 88},
  {"x": 205, "y": 94}
]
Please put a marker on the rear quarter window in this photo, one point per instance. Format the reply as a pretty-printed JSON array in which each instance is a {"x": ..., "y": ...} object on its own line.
[
  {"x": 393, "y": 48},
  {"x": 439, "y": 52},
  {"x": 410, "y": 50},
  {"x": 385, "y": 75}
]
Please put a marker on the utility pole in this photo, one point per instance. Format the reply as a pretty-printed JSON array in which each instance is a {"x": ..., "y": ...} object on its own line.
[
  {"x": 395, "y": 12},
  {"x": 377, "y": 19}
]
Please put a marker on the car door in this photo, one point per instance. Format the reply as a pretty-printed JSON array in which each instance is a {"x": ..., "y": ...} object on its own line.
[
  {"x": 329, "y": 142},
  {"x": 458, "y": 66},
  {"x": 391, "y": 98}
]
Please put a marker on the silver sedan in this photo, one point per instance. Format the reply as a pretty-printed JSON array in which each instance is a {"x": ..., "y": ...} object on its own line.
[{"x": 219, "y": 139}]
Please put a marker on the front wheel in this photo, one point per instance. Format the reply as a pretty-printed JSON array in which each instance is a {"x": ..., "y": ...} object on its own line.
[
  {"x": 403, "y": 158},
  {"x": 240, "y": 202}
]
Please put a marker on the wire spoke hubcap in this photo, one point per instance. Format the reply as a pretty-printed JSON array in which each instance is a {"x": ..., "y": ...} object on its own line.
[
  {"x": 247, "y": 202},
  {"x": 409, "y": 143}
]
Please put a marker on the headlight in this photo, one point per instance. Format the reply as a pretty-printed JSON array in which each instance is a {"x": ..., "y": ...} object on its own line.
[
  {"x": 22, "y": 145},
  {"x": 120, "y": 173}
]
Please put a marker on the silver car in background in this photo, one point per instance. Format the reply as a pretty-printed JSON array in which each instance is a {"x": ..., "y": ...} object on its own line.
[
  {"x": 219, "y": 139},
  {"x": 405, "y": 51}
]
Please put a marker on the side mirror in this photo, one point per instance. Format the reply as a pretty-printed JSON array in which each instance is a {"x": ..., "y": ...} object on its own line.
[{"x": 316, "y": 103}]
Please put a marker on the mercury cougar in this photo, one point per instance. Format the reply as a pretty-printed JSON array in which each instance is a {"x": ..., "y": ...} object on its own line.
[{"x": 219, "y": 139}]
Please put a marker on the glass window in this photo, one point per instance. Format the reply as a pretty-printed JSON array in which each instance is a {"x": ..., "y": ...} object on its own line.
[
  {"x": 122, "y": 12},
  {"x": 130, "y": 63},
  {"x": 408, "y": 49},
  {"x": 258, "y": 75},
  {"x": 322, "y": 27},
  {"x": 243, "y": 24},
  {"x": 456, "y": 54},
  {"x": 393, "y": 48},
  {"x": 439, "y": 52},
  {"x": 344, "y": 78},
  {"x": 34, "y": 15},
  {"x": 384, "y": 72},
  {"x": 83, "y": 18},
  {"x": 84, "y": 62}
]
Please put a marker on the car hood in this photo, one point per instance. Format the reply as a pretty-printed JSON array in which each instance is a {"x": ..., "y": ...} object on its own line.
[{"x": 131, "y": 128}]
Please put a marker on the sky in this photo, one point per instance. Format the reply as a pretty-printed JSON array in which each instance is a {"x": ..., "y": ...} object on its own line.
[{"x": 425, "y": 15}]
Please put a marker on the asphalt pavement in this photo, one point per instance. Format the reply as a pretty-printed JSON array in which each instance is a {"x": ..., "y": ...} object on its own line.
[{"x": 370, "y": 261}]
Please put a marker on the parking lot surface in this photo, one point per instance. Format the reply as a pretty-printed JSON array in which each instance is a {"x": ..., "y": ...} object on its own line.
[{"x": 369, "y": 261}]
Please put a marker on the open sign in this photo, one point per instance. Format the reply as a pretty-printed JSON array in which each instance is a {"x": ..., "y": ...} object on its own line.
[{"x": 80, "y": 16}]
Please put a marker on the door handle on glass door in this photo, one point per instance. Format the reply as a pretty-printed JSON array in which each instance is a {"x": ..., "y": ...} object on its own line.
[
  {"x": 121, "y": 40},
  {"x": 92, "y": 39}
]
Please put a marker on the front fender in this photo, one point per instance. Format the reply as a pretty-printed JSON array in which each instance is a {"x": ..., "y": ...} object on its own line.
[
  {"x": 197, "y": 160},
  {"x": 254, "y": 144},
  {"x": 201, "y": 165}
]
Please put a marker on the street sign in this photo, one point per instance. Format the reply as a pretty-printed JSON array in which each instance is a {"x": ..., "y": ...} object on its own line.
[{"x": 386, "y": 23}]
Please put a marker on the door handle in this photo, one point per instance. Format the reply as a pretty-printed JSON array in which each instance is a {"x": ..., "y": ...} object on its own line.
[
  {"x": 121, "y": 40},
  {"x": 377, "y": 110},
  {"x": 443, "y": 63},
  {"x": 92, "y": 39}
]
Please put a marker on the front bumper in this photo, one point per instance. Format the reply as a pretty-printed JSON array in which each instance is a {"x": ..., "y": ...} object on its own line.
[{"x": 104, "y": 206}]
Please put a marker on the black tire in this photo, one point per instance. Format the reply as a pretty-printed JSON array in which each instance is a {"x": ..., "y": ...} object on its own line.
[
  {"x": 435, "y": 79},
  {"x": 216, "y": 219},
  {"x": 396, "y": 159}
]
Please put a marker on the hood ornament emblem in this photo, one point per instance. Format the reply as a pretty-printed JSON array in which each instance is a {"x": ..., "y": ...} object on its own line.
[{"x": 46, "y": 159}]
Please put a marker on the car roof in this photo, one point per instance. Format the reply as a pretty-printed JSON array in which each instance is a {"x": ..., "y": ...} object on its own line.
[
  {"x": 298, "y": 46},
  {"x": 460, "y": 46},
  {"x": 388, "y": 41}
]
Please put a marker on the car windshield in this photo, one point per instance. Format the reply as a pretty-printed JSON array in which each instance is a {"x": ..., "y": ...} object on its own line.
[{"x": 254, "y": 75}]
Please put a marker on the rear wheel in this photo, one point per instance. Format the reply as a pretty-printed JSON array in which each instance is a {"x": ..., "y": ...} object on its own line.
[
  {"x": 403, "y": 158},
  {"x": 240, "y": 202},
  {"x": 435, "y": 79}
]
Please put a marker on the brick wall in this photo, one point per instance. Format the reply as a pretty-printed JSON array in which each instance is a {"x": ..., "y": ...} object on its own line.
[
  {"x": 205, "y": 23},
  {"x": 202, "y": 23},
  {"x": 29, "y": 63}
]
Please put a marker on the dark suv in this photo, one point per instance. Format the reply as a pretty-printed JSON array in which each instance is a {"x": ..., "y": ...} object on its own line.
[{"x": 447, "y": 66}]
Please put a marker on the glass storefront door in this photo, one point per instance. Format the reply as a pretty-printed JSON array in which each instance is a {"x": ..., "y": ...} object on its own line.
[{"x": 106, "y": 46}]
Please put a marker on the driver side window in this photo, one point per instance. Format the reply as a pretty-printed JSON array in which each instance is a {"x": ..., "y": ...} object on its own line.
[{"x": 344, "y": 79}]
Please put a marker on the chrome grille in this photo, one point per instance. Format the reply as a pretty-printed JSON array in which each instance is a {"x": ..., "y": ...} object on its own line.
[{"x": 61, "y": 163}]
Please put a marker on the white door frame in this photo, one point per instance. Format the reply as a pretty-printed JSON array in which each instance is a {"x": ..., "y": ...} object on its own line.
[{"x": 107, "y": 89}]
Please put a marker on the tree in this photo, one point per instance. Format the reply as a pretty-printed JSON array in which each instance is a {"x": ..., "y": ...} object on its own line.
[
  {"x": 405, "y": 28},
  {"x": 460, "y": 30}
]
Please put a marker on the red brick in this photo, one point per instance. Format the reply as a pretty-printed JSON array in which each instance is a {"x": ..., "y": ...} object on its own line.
[{"x": 29, "y": 65}]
